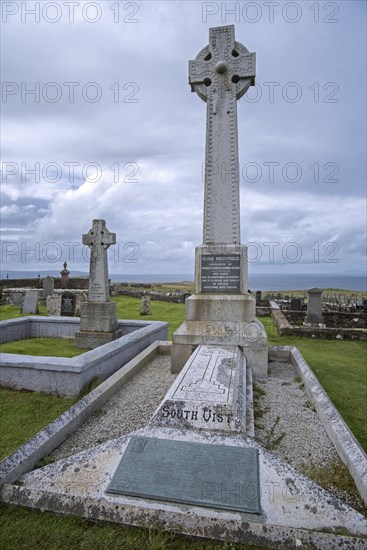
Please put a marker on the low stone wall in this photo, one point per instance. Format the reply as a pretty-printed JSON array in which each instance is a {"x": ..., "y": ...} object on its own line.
[
  {"x": 7, "y": 295},
  {"x": 286, "y": 328},
  {"x": 332, "y": 319},
  {"x": 173, "y": 297},
  {"x": 68, "y": 377},
  {"x": 74, "y": 282}
]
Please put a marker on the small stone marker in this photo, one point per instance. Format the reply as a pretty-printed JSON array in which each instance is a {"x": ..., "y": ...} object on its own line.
[
  {"x": 145, "y": 307},
  {"x": 48, "y": 287},
  {"x": 98, "y": 321},
  {"x": 296, "y": 304},
  {"x": 68, "y": 303},
  {"x": 314, "y": 306},
  {"x": 17, "y": 299},
  {"x": 30, "y": 304},
  {"x": 53, "y": 305},
  {"x": 209, "y": 393},
  {"x": 214, "y": 476}
]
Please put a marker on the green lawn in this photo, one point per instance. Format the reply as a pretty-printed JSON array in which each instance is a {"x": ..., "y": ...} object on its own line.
[
  {"x": 24, "y": 413},
  {"x": 129, "y": 308},
  {"x": 12, "y": 312},
  {"x": 54, "y": 347},
  {"x": 341, "y": 368},
  {"x": 31, "y": 530}
]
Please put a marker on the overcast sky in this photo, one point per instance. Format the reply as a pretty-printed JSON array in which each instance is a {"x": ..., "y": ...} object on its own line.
[{"x": 113, "y": 131}]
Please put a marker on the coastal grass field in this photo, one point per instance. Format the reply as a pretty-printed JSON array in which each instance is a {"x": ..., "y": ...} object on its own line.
[{"x": 340, "y": 367}]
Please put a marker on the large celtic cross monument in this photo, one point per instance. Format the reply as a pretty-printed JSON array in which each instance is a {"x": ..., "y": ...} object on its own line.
[
  {"x": 221, "y": 311},
  {"x": 98, "y": 321},
  {"x": 221, "y": 73}
]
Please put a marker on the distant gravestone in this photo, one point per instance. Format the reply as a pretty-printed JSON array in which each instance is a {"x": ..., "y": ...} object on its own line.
[
  {"x": 30, "y": 304},
  {"x": 296, "y": 304},
  {"x": 53, "y": 304},
  {"x": 48, "y": 287},
  {"x": 314, "y": 306},
  {"x": 68, "y": 304},
  {"x": 17, "y": 299},
  {"x": 98, "y": 320},
  {"x": 65, "y": 276},
  {"x": 145, "y": 307},
  {"x": 258, "y": 296}
]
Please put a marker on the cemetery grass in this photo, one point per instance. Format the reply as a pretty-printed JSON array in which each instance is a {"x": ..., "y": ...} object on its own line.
[
  {"x": 128, "y": 307},
  {"x": 54, "y": 347},
  {"x": 24, "y": 413},
  {"x": 340, "y": 366},
  {"x": 13, "y": 312},
  {"x": 30, "y": 530}
]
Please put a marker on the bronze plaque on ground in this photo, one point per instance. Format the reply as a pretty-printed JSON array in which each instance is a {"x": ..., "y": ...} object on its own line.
[{"x": 199, "y": 474}]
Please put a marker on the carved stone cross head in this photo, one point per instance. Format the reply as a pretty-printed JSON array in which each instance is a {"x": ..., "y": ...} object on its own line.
[
  {"x": 224, "y": 63},
  {"x": 99, "y": 236}
]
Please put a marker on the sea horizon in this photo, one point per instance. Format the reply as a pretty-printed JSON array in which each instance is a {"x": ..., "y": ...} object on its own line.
[{"x": 271, "y": 282}]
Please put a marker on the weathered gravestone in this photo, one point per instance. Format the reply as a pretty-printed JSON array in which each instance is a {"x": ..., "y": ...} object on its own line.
[
  {"x": 296, "y": 304},
  {"x": 48, "y": 287},
  {"x": 98, "y": 321},
  {"x": 30, "y": 304},
  {"x": 53, "y": 305},
  {"x": 314, "y": 306},
  {"x": 17, "y": 299},
  {"x": 145, "y": 306},
  {"x": 68, "y": 304},
  {"x": 221, "y": 311}
]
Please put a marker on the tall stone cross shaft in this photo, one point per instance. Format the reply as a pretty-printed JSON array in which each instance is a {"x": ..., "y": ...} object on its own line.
[
  {"x": 222, "y": 73},
  {"x": 99, "y": 239}
]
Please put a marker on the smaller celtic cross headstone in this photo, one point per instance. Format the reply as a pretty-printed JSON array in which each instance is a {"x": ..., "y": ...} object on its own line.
[{"x": 99, "y": 239}]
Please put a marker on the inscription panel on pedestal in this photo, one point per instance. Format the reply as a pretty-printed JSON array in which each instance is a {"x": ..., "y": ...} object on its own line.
[{"x": 220, "y": 273}]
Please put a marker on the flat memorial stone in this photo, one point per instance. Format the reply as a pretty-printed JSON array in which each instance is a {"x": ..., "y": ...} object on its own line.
[
  {"x": 209, "y": 393},
  {"x": 199, "y": 474}
]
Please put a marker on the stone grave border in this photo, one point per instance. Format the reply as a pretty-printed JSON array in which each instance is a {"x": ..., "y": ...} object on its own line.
[
  {"x": 327, "y": 333},
  {"x": 346, "y": 445},
  {"x": 25, "y": 458},
  {"x": 68, "y": 377}
]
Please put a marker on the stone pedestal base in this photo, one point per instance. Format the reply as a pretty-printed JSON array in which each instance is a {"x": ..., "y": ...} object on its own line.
[
  {"x": 91, "y": 340},
  {"x": 98, "y": 325},
  {"x": 221, "y": 320}
]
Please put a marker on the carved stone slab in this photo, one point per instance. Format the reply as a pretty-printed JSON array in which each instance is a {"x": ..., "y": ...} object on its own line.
[
  {"x": 214, "y": 476},
  {"x": 209, "y": 393}
]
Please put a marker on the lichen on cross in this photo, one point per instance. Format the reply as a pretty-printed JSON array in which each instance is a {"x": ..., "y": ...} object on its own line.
[{"x": 99, "y": 239}]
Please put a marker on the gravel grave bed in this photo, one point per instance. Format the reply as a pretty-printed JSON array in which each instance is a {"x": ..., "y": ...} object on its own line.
[
  {"x": 286, "y": 423},
  {"x": 129, "y": 409}
]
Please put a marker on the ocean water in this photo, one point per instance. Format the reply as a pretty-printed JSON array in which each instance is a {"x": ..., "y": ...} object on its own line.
[
  {"x": 265, "y": 282},
  {"x": 256, "y": 282}
]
